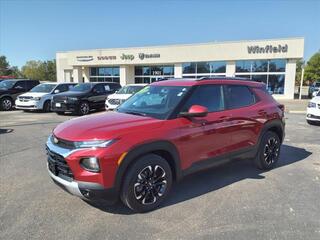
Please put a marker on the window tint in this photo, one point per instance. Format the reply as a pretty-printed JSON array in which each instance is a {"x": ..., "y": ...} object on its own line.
[
  {"x": 238, "y": 96},
  {"x": 100, "y": 89},
  {"x": 63, "y": 87},
  {"x": 20, "y": 85},
  {"x": 209, "y": 96}
]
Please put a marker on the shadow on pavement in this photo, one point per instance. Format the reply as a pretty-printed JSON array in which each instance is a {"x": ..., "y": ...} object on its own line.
[
  {"x": 212, "y": 179},
  {"x": 4, "y": 131}
]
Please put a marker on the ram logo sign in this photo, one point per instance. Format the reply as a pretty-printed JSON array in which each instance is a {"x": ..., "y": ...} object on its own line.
[{"x": 268, "y": 49}]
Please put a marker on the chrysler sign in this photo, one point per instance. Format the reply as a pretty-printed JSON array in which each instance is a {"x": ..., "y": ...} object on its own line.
[
  {"x": 84, "y": 58},
  {"x": 268, "y": 49}
]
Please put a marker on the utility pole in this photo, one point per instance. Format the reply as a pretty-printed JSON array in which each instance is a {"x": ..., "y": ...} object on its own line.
[{"x": 301, "y": 81}]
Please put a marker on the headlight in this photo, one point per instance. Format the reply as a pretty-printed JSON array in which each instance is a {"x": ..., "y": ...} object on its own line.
[
  {"x": 72, "y": 99},
  {"x": 94, "y": 143},
  {"x": 312, "y": 105},
  {"x": 37, "y": 98},
  {"x": 90, "y": 163}
]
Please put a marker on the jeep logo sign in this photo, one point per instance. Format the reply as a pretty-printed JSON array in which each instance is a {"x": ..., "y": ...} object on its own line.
[
  {"x": 127, "y": 57},
  {"x": 268, "y": 49}
]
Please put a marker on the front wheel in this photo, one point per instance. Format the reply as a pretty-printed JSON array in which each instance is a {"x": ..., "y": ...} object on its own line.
[
  {"x": 6, "y": 104},
  {"x": 269, "y": 151},
  {"x": 84, "y": 108},
  {"x": 47, "y": 106},
  {"x": 147, "y": 183}
]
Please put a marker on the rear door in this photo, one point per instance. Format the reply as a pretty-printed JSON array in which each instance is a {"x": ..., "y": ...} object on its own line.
[
  {"x": 99, "y": 95},
  {"x": 244, "y": 127}
]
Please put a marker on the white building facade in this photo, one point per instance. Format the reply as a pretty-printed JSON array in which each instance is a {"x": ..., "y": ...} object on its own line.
[{"x": 270, "y": 61}]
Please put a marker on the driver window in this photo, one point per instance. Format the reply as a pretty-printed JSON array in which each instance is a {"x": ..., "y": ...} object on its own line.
[
  {"x": 20, "y": 85},
  {"x": 209, "y": 96},
  {"x": 99, "y": 89}
]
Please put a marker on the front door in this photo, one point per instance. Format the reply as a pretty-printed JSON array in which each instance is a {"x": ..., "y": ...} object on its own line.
[{"x": 207, "y": 137}]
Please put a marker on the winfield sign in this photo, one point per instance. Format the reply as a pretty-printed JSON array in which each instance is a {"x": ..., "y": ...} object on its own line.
[
  {"x": 268, "y": 49},
  {"x": 146, "y": 55}
]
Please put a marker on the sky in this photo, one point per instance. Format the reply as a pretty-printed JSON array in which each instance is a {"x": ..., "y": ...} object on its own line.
[{"x": 37, "y": 29}]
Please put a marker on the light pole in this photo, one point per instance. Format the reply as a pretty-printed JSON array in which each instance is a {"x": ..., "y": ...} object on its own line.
[{"x": 301, "y": 81}]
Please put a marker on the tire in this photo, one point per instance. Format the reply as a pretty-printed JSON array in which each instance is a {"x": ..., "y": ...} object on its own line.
[
  {"x": 47, "y": 106},
  {"x": 6, "y": 104},
  {"x": 84, "y": 108},
  {"x": 140, "y": 191},
  {"x": 269, "y": 151}
]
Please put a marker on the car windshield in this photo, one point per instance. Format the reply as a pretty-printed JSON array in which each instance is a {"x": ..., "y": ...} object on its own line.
[
  {"x": 130, "y": 89},
  {"x": 7, "y": 84},
  {"x": 45, "y": 88},
  {"x": 82, "y": 87},
  {"x": 154, "y": 101}
]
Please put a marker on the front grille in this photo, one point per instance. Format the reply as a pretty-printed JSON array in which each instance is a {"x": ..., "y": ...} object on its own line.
[
  {"x": 25, "y": 98},
  {"x": 61, "y": 99},
  {"x": 58, "y": 166},
  {"x": 114, "y": 101},
  {"x": 62, "y": 142}
]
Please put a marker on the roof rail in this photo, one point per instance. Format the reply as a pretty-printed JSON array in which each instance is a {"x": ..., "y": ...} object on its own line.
[{"x": 223, "y": 78}]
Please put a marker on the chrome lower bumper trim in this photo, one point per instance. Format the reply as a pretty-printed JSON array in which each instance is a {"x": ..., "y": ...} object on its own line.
[{"x": 71, "y": 187}]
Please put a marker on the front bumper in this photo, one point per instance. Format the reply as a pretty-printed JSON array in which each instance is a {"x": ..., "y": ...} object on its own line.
[
  {"x": 313, "y": 114},
  {"x": 86, "y": 190},
  {"x": 64, "y": 107},
  {"x": 29, "y": 105}
]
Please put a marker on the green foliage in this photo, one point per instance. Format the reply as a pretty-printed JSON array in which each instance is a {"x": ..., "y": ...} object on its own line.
[
  {"x": 300, "y": 62},
  {"x": 6, "y": 70},
  {"x": 40, "y": 70},
  {"x": 312, "y": 70}
]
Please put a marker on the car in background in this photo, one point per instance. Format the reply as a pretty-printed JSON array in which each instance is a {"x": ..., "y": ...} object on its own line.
[
  {"x": 114, "y": 100},
  {"x": 313, "y": 89},
  {"x": 39, "y": 97},
  {"x": 313, "y": 110},
  {"x": 11, "y": 89},
  {"x": 83, "y": 97}
]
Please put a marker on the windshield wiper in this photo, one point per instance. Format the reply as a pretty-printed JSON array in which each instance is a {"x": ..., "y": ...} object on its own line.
[{"x": 136, "y": 113}]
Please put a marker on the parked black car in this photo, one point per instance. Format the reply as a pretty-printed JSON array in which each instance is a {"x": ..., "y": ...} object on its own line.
[
  {"x": 83, "y": 97},
  {"x": 10, "y": 89}
]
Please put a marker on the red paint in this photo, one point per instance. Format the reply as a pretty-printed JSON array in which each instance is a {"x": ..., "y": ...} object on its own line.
[{"x": 195, "y": 139}]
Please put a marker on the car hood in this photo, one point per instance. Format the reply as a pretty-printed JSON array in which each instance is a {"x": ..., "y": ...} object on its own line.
[
  {"x": 119, "y": 96},
  {"x": 316, "y": 99},
  {"x": 33, "y": 94},
  {"x": 104, "y": 126}
]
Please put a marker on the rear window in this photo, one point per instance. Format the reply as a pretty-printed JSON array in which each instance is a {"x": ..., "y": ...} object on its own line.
[{"x": 238, "y": 96}]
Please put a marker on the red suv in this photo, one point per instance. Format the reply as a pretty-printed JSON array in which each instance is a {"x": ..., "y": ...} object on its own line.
[{"x": 162, "y": 133}]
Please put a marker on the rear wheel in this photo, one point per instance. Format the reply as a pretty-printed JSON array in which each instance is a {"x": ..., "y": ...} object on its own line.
[
  {"x": 147, "y": 183},
  {"x": 84, "y": 108},
  {"x": 6, "y": 104},
  {"x": 269, "y": 151}
]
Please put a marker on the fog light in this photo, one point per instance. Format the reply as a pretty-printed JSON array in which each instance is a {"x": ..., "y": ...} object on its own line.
[{"x": 90, "y": 164}]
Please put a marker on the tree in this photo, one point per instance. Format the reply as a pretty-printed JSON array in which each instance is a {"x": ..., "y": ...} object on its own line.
[
  {"x": 38, "y": 70},
  {"x": 7, "y": 70},
  {"x": 312, "y": 69}
]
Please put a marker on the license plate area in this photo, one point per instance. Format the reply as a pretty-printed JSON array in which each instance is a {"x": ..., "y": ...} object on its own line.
[{"x": 58, "y": 105}]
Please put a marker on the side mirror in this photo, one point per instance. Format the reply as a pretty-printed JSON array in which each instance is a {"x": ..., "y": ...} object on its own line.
[
  {"x": 195, "y": 111},
  {"x": 56, "y": 91}
]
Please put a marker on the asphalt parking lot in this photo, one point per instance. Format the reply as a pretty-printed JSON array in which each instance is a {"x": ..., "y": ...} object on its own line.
[{"x": 235, "y": 201}]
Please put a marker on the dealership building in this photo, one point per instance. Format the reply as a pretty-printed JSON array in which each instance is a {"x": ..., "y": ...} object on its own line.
[{"x": 271, "y": 61}]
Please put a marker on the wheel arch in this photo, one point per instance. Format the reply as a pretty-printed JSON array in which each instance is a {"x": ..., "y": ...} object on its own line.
[
  {"x": 165, "y": 149},
  {"x": 276, "y": 126}
]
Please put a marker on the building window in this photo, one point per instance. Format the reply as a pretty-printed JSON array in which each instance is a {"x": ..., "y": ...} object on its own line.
[
  {"x": 270, "y": 72},
  {"x": 203, "y": 69},
  {"x": 104, "y": 74},
  {"x": 149, "y": 74}
]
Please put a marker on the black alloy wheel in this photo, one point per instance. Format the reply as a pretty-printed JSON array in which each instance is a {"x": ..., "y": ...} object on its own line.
[
  {"x": 269, "y": 151},
  {"x": 84, "y": 108},
  {"x": 146, "y": 183}
]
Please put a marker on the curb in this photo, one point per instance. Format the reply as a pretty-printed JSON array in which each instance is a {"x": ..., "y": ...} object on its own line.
[{"x": 298, "y": 112}]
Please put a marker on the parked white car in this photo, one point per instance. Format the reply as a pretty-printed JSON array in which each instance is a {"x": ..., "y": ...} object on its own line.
[
  {"x": 114, "y": 100},
  {"x": 313, "y": 110},
  {"x": 39, "y": 97}
]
